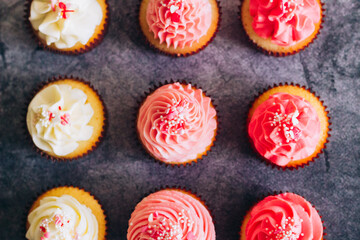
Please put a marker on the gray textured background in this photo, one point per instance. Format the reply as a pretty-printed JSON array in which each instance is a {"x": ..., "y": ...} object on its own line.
[{"x": 231, "y": 178}]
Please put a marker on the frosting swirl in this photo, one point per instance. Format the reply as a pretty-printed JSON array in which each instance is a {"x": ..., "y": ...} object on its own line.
[
  {"x": 58, "y": 118},
  {"x": 62, "y": 218},
  {"x": 285, "y": 216},
  {"x": 179, "y": 23},
  {"x": 286, "y": 22},
  {"x": 65, "y": 22},
  {"x": 285, "y": 128},
  {"x": 176, "y": 123},
  {"x": 170, "y": 215}
]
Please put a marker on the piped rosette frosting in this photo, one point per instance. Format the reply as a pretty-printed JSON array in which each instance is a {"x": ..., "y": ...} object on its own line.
[
  {"x": 65, "y": 22},
  {"x": 176, "y": 123},
  {"x": 170, "y": 215},
  {"x": 58, "y": 118},
  {"x": 285, "y": 128},
  {"x": 62, "y": 218},
  {"x": 286, "y": 22},
  {"x": 179, "y": 23},
  {"x": 284, "y": 217}
]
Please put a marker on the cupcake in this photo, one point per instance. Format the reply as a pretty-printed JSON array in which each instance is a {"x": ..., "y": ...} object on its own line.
[
  {"x": 288, "y": 126},
  {"x": 66, "y": 118},
  {"x": 282, "y": 27},
  {"x": 177, "y": 123},
  {"x": 179, "y": 27},
  {"x": 283, "y": 216},
  {"x": 69, "y": 27},
  {"x": 66, "y": 213},
  {"x": 171, "y": 214}
]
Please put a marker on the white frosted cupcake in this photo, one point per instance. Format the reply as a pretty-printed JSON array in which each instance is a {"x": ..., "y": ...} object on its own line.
[
  {"x": 66, "y": 119},
  {"x": 68, "y": 26},
  {"x": 66, "y": 213}
]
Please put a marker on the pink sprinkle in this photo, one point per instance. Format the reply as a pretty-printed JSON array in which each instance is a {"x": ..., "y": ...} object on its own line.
[
  {"x": 46, "y": 235},
  {"x": 65, "y": 119}
]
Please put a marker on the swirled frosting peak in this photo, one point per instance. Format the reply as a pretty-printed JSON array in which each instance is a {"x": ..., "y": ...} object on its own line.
[
  {"x": 179, "y": 23},
  {"x": 58, "y": 118},
  {"x": 286, "y": 22},
  {"x": 170, "y": 215},
  {"x": 285, "y": 128},
  {"x": 62, "y": 218},
  {"x": 65, "y": 22},
  {"x": 176, "y": 123},
  {"x": 286, "y": 217}
]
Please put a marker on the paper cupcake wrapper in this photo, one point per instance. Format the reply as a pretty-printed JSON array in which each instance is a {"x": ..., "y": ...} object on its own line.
[
  {"x": 141, "y": 101},
  {"x": 274, "y": 194},
  {"x": 280, "y": 54},
  {"x": 96, "y": 144},
  {"x": 88, "y": 47},
  {"x": 30, "y": 203},
  {"x": 266, "y": 161},
  {"x": 150, "y": 45}
]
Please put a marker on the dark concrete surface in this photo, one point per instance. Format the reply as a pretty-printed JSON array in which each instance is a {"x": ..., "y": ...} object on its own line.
[{"x": 231, "y": 178}]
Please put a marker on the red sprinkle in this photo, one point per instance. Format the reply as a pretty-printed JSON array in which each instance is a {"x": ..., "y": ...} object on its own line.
[
  {"x": 64, "y": 10},
  {"x": 42, "y": 229}
]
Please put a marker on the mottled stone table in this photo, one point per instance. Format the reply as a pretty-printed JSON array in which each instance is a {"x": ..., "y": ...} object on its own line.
[{"x": 231, "y": 178}]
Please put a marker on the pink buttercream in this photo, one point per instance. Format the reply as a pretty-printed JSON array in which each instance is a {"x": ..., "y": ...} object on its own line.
[
  {"x": 176, "y": 123},
  {"x": 286, "y": 21},
  {"x": 284, "y": 128},
  {"x": 179, "y": 22},
  {"x": 285, "y": 216},
  {"x": 170, "y": 215}
]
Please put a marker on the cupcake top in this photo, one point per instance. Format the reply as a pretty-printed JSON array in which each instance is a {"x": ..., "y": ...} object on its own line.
[
  {"x": 284, "y": 216},
  {"x": 176, "y": 123},
  {"x": 65, "y": 23},
  {"x": 179, "y": 23},
  {"x": 285, "y": 128},
  {"x": 58, "y": 118},
  {"x": 61, "y": 218},
  {"x": 286, "y": 22},
  {"x": 170, "y": 215}
]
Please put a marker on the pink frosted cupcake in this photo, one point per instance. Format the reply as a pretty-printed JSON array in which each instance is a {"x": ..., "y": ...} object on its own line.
[
  {"x": 284, "y": 216},
  {"x": 177, "y": 124},
  {"x": 179, "y": 27},
  {"x": 288, "y": 126},
  {"x": 171, "y": 214}
]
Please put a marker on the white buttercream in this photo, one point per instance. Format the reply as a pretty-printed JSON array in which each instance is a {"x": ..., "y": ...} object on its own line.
[
  {"x": 79, "y": 25},
  {"x": 68, "y": 123},
  {"x": 62, "y": 218}
]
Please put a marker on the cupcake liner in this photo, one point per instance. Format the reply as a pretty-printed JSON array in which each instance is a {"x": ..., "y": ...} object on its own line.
[
  {"x": 150, "y": 45},
  {"x": 141, "y": 101},
  {"x": 266, "y": 161},
  {"x": 274, "y": 194},
  {"x": 31, "y": 202},
  {"x": 88, "y": 47},
  {"x": 96, "y": 144},
  {"x": 280, "y": 54}
]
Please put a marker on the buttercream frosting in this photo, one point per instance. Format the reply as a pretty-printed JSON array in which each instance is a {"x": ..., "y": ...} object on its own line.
[
  {"x": 65, "y": 22},
  {"x": 176, "y": 123},
  {"x": 62, "y": 218},
  {"x": 286, "y": 22},
  {"x": 285, "y": 128},
  {"x": 170, "y": 215},
  {"x": 179, "y": 23},
  {"x": 285, "y": 216},
  {"x": 58, "y": 118}
]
